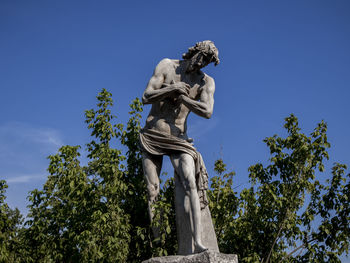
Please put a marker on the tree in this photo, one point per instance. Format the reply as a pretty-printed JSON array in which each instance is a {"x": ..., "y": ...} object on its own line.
[
  {"x": 10, "y": 223},
  {"x": 284, "y": 204},
  {"x": 135, "y": 204},
  {"x": 98, "y": 212},
  {"x": 78, "y": 216}
]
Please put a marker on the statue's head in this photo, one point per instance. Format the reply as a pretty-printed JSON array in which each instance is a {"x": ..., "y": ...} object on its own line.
[{"x": 205, "y": 49}]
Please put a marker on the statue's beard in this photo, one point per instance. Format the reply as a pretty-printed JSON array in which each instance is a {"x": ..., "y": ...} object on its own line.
[
  {"x": 192, "y": 67},
  {"x": 194, "y": 64}
]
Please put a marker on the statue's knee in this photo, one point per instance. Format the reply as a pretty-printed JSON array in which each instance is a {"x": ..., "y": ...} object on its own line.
[
  {"x": 153, "y": 191},
  {"x": 190, "y": 186}
]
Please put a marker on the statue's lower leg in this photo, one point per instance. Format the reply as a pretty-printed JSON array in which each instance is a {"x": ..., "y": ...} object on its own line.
[{"x": 196, "y": 218}]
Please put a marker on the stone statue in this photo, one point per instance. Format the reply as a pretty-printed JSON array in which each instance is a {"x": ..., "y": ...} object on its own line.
[{"x": 177, "y": 88}]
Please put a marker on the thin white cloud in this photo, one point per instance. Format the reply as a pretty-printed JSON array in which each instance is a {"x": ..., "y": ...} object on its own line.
[
  {"x": 24, "y": 149},
  {"x": 17, "y": 132},
  {"x": 24, "y": 178}
]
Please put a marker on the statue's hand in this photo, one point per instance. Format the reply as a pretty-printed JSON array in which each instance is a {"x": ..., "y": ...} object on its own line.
[{"x": 181, "y": 88}]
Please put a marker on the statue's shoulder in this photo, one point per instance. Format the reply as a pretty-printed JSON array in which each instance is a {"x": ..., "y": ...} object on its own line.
[
  {"x": 207, "y": 78},
  {"x": 165, "y": 64},
  {"x": 209, "y": 82},
  {"x": 168, "y": 62}
]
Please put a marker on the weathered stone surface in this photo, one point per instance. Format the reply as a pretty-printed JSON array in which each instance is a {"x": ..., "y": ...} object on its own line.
[
  {"x": 184, "y": 223},
  {"x": 204, "y": 257},
  {"x": 177, "y": 88}
]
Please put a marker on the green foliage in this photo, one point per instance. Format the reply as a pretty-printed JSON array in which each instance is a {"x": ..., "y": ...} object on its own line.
[
  {"x": 331, "y": 238},
  {"x": 10, "y": 221},
  {"x": 98, "y": 212},
  {"x": 223, "y": 204},
  {"x": 135, "y": 202},
  {"x": 278, "y": 212},
  {"x": 78, "y": 216},
  {"x": 164, "y": 221}
]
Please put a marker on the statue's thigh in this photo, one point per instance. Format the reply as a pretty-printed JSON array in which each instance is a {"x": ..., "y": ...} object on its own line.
[
  {"x": 185, "y": 167},
  {"x": 152, "y": 165}
]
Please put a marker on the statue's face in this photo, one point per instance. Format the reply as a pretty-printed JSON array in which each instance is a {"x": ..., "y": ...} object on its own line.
[{"x": 198, "y": 61}]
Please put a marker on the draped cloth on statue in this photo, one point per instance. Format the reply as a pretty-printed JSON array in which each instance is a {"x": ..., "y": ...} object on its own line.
[{"x": 159, "y": 143}]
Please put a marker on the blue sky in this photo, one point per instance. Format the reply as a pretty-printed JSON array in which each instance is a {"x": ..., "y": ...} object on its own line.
[{"x": 277, "y": 58}]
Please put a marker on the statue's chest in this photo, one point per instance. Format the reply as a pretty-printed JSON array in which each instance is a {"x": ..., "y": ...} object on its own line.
[
  {"x": 195, "y": 83},
  {"x": 195, "y": 90}
]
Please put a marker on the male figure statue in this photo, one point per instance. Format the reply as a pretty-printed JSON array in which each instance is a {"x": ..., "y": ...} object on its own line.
[{"x": 177, "y": 88}]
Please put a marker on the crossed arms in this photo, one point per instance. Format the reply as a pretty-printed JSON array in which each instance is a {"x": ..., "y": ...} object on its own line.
[{"x": 157, "y": 90}]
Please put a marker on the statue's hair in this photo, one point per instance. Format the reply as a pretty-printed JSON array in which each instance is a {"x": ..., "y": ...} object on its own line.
[{"x": 207, "y": 48}]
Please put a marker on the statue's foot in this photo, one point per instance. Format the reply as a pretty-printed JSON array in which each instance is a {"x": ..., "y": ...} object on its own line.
[{"x": 198, "y": 248}]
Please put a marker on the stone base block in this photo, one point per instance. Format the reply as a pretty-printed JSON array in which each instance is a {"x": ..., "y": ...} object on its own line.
[{"x": 204, "y": 257}]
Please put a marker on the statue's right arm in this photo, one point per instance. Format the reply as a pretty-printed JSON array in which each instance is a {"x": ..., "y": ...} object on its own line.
[{"x": 156, "y": 89}]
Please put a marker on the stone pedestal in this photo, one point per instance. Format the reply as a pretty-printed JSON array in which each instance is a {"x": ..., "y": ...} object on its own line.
[{"x": 204, "y": 257}]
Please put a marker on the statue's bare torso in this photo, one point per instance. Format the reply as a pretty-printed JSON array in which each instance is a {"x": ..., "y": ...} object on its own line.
[{"x": 169, "y": 115}]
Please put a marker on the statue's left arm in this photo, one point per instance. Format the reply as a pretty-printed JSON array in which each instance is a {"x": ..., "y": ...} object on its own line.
[{"x": 204, "y": 107}]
